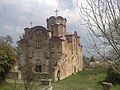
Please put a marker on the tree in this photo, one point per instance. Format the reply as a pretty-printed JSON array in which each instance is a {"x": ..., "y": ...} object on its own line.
[
  {"x": 85, "y": 62},
  {"x": 7, "y": 58},
  {"x": 92, "y": 59},
  {"x": 103, "y": 20},
  {"x": 6, "y": 39},
  {"x": 28, "y": 75},
  {"x": 26, "y": 67}
]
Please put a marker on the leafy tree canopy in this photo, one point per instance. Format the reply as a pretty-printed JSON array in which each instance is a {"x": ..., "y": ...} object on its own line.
[{"x": 7, "y": 58}]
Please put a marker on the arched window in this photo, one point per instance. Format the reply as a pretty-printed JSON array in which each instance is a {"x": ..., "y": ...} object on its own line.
[
  {"x": 38, "y": 68},
  {"x": 39, "y": 37},
  {"x": 55, "y": 43},
  {"x": 38, "y": 44}
]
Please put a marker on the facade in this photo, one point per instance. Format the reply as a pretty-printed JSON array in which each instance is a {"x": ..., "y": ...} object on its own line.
[{"x": 52, "y": 50}]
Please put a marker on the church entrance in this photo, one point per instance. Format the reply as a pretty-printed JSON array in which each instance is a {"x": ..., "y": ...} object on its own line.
[
  {"x": 74, "y": 69},
  {"x": 58, "y": 75}
]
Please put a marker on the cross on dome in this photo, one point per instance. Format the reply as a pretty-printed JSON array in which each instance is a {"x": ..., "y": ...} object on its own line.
[{"x": 56, "y": 11}]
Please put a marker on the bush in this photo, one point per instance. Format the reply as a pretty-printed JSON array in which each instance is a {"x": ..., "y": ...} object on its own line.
[
  {"x": 113, "y": 76},
  {"x": 85, "y": 62},
  {"x": 7, "y": 60}
]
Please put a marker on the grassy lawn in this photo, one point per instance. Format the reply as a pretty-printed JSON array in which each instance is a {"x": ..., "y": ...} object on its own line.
[
  {"x": 84, "y": 80},
  {"x": 11, "y": 86}
]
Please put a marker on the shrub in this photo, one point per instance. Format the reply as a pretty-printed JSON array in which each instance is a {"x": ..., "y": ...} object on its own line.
[
  {"x": 113, "y": 76},
  {"x": 7, "y": 60}
]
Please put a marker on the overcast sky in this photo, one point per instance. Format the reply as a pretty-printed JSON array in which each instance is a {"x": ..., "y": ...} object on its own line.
[{"x": 15, "y": 15}]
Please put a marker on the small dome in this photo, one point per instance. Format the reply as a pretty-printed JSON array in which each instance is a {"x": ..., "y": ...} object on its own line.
[
  {"x": 60, "y": 17},
  {"x": 52, "y": 17}
]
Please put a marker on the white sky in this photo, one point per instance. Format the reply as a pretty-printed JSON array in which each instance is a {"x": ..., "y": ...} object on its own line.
[{"x": 15, "y": 15}]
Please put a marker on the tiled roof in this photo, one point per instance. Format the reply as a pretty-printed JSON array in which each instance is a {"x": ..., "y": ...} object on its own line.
[{"x": 69, "y": 33}]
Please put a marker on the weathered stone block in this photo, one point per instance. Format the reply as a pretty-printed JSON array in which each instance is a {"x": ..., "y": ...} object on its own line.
[
  {"x": 46, "y": 82},
  {"x": 107, "y": 86}
]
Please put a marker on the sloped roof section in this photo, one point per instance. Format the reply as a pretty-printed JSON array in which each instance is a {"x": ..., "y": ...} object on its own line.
[
  {"x": 60, "y": 38},
  {"x": 72, "y": 33},
  {"x": 69, "y": 33}
]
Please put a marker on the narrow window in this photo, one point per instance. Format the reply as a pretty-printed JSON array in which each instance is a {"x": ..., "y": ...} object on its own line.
[
  {"x": 38, "y": 68},
  {"x": 38, "y": 44}
]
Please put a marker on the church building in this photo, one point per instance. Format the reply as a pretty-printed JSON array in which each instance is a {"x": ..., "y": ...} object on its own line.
[{"x": 51, "y": 50}]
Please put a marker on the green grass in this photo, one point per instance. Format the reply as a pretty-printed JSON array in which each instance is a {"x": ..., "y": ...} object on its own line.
[
  {"x": 84, "y": 80},
  {"x": 8, "y": 86},
  {"x": 11, "y": 86}
]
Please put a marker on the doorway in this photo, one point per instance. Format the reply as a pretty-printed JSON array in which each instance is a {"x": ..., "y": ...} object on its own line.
[
  {"x": 58, "y": 75},
  {"x": 74, "y": 69}
]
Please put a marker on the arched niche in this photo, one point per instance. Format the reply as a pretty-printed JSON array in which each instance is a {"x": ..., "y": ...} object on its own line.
[
  {"x": 39, "y": 38},
  {"x": 39, "y": 35},
  {"x": 56, "y": 43}
]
